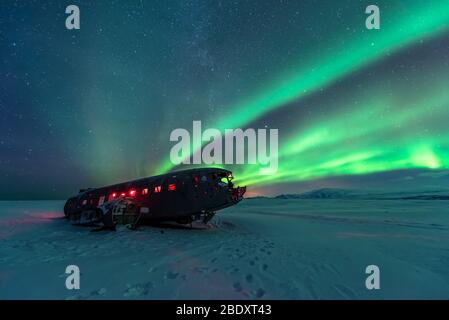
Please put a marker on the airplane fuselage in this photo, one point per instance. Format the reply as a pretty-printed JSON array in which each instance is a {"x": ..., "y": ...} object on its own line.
[{"x": 175, "y": 196}]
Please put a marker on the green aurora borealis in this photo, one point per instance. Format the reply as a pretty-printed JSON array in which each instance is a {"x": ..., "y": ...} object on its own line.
[
  {"x": 380, "y": 134},
  {"x": 96, "y": 106}
]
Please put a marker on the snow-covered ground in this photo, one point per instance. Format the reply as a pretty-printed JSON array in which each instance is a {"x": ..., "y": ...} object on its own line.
[{"x": 261, "y": 248}]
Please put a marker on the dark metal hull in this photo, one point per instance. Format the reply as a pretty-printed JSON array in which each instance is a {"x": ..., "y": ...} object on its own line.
[{"x": 181, "y": 196}]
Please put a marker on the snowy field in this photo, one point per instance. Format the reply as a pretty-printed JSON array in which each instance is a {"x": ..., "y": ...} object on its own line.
[{"x": 259, "y": 249}]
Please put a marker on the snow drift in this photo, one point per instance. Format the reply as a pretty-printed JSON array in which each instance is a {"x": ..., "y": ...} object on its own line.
[{"x": 259, "y": 249}]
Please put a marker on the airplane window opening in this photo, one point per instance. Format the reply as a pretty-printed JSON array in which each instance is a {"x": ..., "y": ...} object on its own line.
[
  {"x": 101, "y": 200},
  {"x": 112, "y": 196}
]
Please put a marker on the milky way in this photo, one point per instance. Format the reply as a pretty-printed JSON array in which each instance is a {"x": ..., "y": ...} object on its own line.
[{"x": 354, "y": 107}]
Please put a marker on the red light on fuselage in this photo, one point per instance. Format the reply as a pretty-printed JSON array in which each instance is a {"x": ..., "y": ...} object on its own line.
[
  {"x": 112, "y": 196},
  {"x": 145, "y": 191},
  {"x": 132, "y": 193},
  {"x": 157, "y": 189},
  {"x": 122, "y": 194},
  {"x": 171, "y": 187}
]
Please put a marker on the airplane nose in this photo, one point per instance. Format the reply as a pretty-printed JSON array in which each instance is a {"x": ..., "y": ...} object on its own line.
[{"x": 237, "y": 193}]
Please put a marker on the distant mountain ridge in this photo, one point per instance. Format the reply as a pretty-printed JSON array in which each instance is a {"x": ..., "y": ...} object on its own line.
[
  {"x": 335, "y": 193},
  {"x": 325, "y": 193}
]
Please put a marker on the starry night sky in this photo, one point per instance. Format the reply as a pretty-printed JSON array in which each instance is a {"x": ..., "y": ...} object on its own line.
[{"x": 355, "y": 108}]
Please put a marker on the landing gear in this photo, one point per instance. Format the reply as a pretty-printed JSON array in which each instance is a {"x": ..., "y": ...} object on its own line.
[
  {"x": 203, "y": 217},
  {"x": 185, "y": 220},
  {"x": 108, "y": 215},
  {"x": 133, "y": 225},
  {"x": 208, "y": 216},
  {"x": 86, "y": 218}
]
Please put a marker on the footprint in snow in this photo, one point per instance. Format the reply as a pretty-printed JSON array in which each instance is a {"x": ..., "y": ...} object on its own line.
[
  {"x": 237, "y": 286},
  {"x": 259, "y": 293},
  {"x": 137, "y": 290},
  {"x": 98, "y": 292},
  {"x": 171, "y": 275}
]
